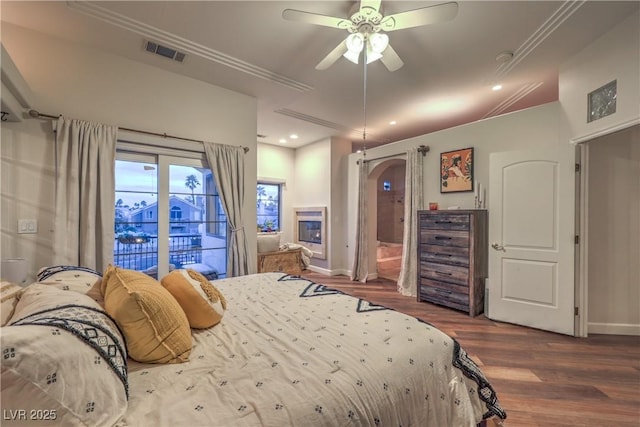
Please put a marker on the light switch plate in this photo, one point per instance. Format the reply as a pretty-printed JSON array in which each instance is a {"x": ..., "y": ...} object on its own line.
[{"x": 27, "y": 226}]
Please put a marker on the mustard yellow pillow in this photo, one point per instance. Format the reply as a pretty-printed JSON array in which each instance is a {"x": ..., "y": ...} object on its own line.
[
  {"x": 155, "y": 328},
  {"x": 203, "y": 304}
]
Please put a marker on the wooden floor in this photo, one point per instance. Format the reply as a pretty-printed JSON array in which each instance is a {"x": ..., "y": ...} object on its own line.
[{"x": 541, "y": 378}]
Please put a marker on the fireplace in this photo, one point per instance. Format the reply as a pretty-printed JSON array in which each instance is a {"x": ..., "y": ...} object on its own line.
[
  {"x": 310, "y": 232},
  {"x": 310, "y": 229}
]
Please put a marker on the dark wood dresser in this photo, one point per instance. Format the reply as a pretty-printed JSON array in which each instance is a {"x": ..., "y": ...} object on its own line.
[{"x": 452, "y": 258}]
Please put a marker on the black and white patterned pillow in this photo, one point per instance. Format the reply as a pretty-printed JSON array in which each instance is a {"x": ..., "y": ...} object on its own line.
[
  {"x": 73, "y": 278},
  {"x": 63, "y": 357}
]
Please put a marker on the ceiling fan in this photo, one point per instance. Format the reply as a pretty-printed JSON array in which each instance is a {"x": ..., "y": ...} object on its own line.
[{"x": 366, "y": 27}]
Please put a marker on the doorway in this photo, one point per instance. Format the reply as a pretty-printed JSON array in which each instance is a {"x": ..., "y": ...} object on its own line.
[
  {"x": 389, "y": 178},
  {"x": 611, "y": 244}
]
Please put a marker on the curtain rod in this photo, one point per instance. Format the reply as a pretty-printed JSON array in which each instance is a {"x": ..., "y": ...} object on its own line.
[
  {"x": 36, "y": 115},
  {"x": 424, "y": 149}
]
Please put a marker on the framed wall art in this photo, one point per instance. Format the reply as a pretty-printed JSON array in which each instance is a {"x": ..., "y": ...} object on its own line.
[{"x": 456, "y": 170}]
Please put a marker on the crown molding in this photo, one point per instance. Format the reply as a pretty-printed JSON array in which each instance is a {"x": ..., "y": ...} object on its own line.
[
  {"x": 515, "y": 97},
  {"x": 561, "y": 14},
  {"x": 173, "y": 40}
]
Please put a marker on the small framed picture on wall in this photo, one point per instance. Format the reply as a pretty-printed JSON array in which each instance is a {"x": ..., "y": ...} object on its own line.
[{"x": 456, "y": 170}]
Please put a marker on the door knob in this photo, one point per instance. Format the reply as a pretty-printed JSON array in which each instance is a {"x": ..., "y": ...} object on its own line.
[{"x": 497, "y": 247}]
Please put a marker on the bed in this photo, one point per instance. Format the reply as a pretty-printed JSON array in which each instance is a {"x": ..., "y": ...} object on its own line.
[{"x": 285, "y": 352}]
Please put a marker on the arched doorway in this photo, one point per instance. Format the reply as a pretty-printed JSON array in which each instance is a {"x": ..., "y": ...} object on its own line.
[{"x": 386, "y": 205}]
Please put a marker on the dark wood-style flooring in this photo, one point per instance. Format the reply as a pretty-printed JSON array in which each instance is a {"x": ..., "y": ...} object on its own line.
[{"x": 541, "y": 378}]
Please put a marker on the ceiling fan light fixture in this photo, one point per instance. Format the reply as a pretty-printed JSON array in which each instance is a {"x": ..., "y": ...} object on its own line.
[
  {"x": 355, "y": 44},
  {"x": 352, "y": 56},
  {"x": 373, "y": 56},
  {"x": 378, "y": 43}
]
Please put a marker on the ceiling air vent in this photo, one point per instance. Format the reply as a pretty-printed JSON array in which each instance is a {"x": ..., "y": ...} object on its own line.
[{"x": 165, "y": 51}]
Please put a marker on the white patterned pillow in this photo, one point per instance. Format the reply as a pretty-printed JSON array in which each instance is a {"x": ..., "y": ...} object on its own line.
[
  {"x": 9, "y": 296},
  {"x": 268, "y": 242},
  {"x": 63, "y": 358},
  {"x": 73, "y": 278}
]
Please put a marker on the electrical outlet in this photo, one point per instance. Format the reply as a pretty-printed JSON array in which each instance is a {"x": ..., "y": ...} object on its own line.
[{"x": 27, "y": 226}]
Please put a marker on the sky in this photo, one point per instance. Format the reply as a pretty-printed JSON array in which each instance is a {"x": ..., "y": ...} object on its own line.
[{"x": 142, "y": 178}]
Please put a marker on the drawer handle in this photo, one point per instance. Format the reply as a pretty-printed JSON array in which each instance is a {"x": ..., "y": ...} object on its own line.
[
  {"x": 443, "y": 222},
  {"x": 443, "y": 274},
  {"x": 443, "y": 238},
  {"x": 439, "y": 254}
]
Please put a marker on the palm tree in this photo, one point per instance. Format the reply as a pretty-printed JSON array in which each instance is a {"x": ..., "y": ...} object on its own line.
[
  {"x": 261, "y": 193},
  {"x": 191, "y": 182}
]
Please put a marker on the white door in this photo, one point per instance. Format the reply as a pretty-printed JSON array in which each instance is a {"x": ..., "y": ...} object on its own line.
[{"x": 532, "y": 238}]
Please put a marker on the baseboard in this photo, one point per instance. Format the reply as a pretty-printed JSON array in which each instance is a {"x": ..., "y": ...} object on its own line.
[
  {"x": 613, "y": 329},
  {"x": 327, "y": 272},
  {"x": 320, "y": 270}
]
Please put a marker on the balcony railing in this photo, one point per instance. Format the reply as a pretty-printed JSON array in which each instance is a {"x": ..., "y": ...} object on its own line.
[{"x": 141, "y": 252}]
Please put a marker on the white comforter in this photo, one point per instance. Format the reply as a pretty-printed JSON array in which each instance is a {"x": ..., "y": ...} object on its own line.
[{"x": 290, "y": 352}]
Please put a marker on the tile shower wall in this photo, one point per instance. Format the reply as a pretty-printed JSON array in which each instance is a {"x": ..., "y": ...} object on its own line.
[{"x": 391, "y": 205}]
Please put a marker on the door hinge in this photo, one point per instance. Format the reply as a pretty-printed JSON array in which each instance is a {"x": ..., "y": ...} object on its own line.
[
  {"x": 575, "y": 311},
  {"x": 576, "y": 239},
  {"x": 577, "y": 167}
]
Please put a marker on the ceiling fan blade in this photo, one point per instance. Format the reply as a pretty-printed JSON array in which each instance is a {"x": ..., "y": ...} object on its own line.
[
  {"x": 369, "y": 6},
  {"x": 333, "y": 56},
  {"x": 424, "y": 16},
  {"x": 316, "y": 19},
  {"x": 390, "y": 59}
]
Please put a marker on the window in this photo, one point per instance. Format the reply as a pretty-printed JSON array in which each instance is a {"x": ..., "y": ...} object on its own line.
[
  {"x": 602, "y": 101},
  {"x": 163, "y": 216},
  {"x": 268, "y": 206},
  {"x": 176, "y": 213}
]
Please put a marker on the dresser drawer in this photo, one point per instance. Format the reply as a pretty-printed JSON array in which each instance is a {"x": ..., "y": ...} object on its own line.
[
  {"x": 445, "y": 297},
  {"x": 454, "y": 255},
  {"x": 444, "y": 238},
  {"x": 445, "y": 286},
  {"x": 444, "y": 272},
  {"x": 445, "y": 221}
]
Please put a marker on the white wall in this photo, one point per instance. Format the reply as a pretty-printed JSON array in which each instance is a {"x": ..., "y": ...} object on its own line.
[
  {"x": 614, "y": 233},
  {"x": 313, "y": 186},
  {"x": 615, "y": 56},
  {"x": 535, "y": 127},
  {"x": 80, "y": 83},
  {"x": 338, "y": 249},
  {"x": 277, "y": 164},
  {"x": 315, "y": 176}
]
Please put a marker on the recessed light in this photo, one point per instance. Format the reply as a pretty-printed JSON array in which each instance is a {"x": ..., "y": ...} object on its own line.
[
  {"x": 392, "y": 122},
  {"x": 496, "y": 87},
  {"x": 293, "y": 136},
  {"x": 283, "y": 141}
]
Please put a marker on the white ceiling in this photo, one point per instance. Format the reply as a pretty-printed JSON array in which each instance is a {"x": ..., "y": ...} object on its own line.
[{"x": 246, "y": 46}]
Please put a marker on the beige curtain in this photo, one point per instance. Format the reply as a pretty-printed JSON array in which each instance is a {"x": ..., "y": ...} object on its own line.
[
  {"x": 227, "y": 164},
  {"x": 85, "y": 193},
  {"x": 414, "y": 201},
  {"x": 360, "y": 268}
]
